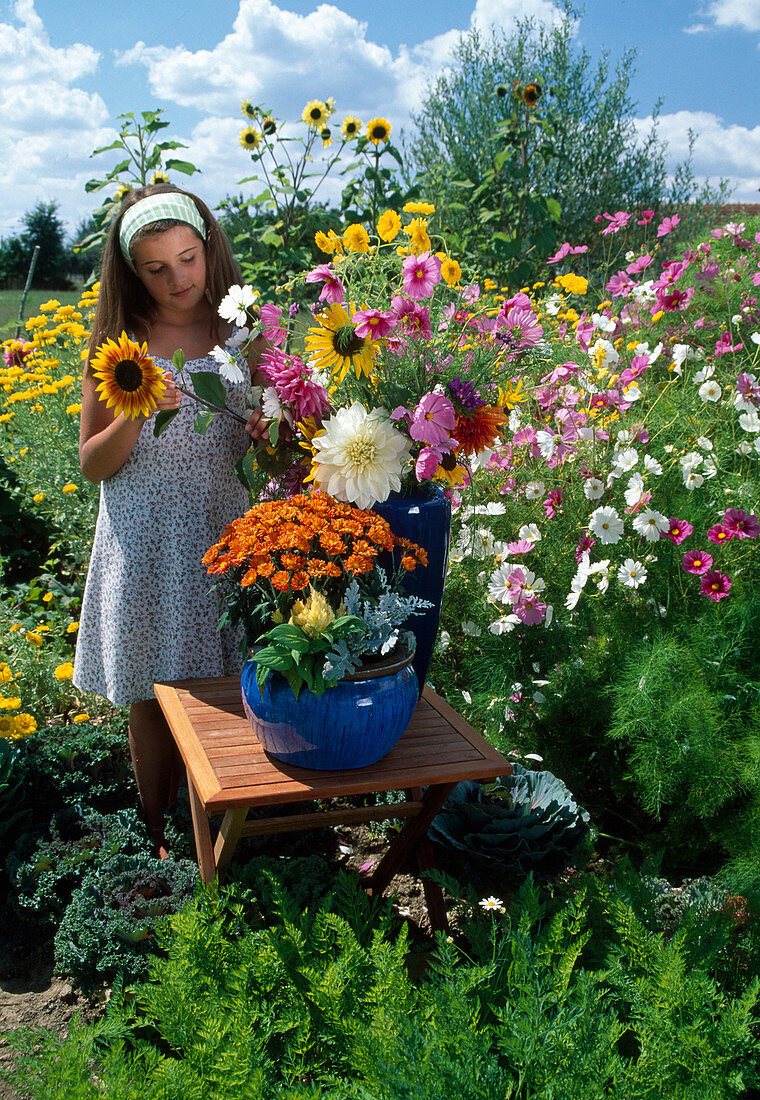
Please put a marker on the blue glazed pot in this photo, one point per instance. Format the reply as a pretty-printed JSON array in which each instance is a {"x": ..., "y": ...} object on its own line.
[
  {"x": 424, "y": 516},
  {"x": 351, "y": 725}
]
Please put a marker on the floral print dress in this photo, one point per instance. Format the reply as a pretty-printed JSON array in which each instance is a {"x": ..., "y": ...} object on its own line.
[{"x": 147, "y": 613}]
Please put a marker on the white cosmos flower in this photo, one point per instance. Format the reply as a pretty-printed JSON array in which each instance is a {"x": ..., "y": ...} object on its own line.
[
  {"x": 643, "y": 349},
  {"x": 632, "y": 573},
  {"x": 635, "y": 490},
  {"x": 534, "y": 490},
  {"x": 272, "y": 406},
  {"x": 499, "y": 586},
  {"x": 680, "y": 353},
  {"x": 632, "y": 392},
  {"x": 710, "y": 390},
  {"x": 704, "y": 443},
  {"x": 359, "y": 455},
  {"x": 472, "y": 630},
  {"x": 604, "y": 324},
  {"x": 652, "y": 465},
  {"x": 750, "y": 421},
  {"x": 546, "y": 442},
  {"x": 745, "y": 447},
  {"x": 625, "y": 460},
  {"x": 238, "y": 338},
  {"x": 692, "y": 480},
  {"x": 505, "y": 625},
  {"x": 529, "y": 532},
  {"x": 691, "y": 460},
  {"x": 709, "y": 469},
  {"x": 236, "y": 302},
  {"x": 229, "y": 369},
  {"x": 607, "y": 525},
  {"x": 703, "y": 374},
  {"x": 593, "y": 488},
  {"x": 651, "y": 524}
]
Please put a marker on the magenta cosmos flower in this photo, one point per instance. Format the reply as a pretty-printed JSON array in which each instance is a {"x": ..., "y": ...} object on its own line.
[
  {"x": 739, "y": 524},
  {"x": 433, "y": 420},
  {"x": 272, "y": 325},
  {"x": 373, "y": 323},
  {"x": 697, "y": 561},
  {"x": 719, "y": 534},
  {"x": 530, "y": 610},
  {"x": 667, "y": 225},
  {"x": 415, "y": 320},
  {"x": 333, "y": 290},
  {"x": 715, "y": 585},
  {"x": 421, "y": 274},
  {"x": 680, "y": 529}
]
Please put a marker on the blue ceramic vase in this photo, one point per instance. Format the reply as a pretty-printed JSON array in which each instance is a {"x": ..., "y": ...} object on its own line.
[
  {"x": 350, "y": 725},
  {"x": 424, "y": 516}
]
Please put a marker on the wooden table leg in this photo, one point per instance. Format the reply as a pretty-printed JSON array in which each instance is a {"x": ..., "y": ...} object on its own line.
[
  {"x": 203, "y": 846},
  {"x": 426, "y": 861},
  {"x": 229, "y": 834},
  {"x": 408, "y": 839}
]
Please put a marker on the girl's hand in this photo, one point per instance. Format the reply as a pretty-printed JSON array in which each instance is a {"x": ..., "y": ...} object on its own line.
[
  {"x": 258, "y": 425},
  {"x": 172, "y": 396}
]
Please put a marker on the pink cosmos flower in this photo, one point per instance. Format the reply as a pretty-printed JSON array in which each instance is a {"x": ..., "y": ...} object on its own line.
[
  {"x": 530, "y": 610},
  {"x": 17, "y": 356},
  {"x": 421, "y": 274},
  {"x": 739, "y": 524},
  {"x": 715, "y": 585},
  {"x": 373, "y": 323},
  {"x": 415, "y": 319},
  {"x": 697, "y": 561},
  {"x": 567, "y": 250},
  {"x": 746, "y": 385},
  {"x": 521, "y": 329},
  {"x": 667, "y": 225},
  {"x": 674, "y": 299},
  {"x": 584, "y": 546},
  {"x": 620, "y": 285},
  {"x": 616, "y": 221},
  {"x": 680, "y": 529},
  {"x": 428, "y": 461},
  {"x": 639, "y": 265},
  {"x": 519, "y": 301},
  {"x": 646, "y": 217},
  {"x": 333, "y": 290},
  {"x": 719, "y": 534},
  {"x": 522, "y": 546},
  {"x": 553, "y": 503},
  {"x": 724, "y": 345},
  {"x": 272, "y": 326},
  {"x": 433, "y": 420}
]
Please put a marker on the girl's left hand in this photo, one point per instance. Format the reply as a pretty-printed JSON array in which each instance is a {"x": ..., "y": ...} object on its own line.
[{"x": 258, "y": 425}]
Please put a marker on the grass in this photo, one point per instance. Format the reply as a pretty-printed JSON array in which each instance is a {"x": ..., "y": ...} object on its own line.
[{"x": 10, "y": 300}]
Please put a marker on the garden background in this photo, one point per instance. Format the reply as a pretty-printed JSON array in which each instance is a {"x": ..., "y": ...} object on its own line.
[{"x": 599, "y": 627}]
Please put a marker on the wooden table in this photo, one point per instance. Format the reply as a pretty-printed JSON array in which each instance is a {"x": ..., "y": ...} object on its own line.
[{"x": 229, "y": 773}]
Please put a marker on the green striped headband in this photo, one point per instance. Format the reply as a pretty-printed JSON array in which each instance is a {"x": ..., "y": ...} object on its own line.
[{"x": 156, "y": 208}]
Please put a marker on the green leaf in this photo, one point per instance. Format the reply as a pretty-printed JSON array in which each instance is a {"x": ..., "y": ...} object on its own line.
[
  {"x": 178, "y": 359},
  {"x": 275, "y": 659},
  {"x": 395, "y": 154},
  {"x": 554, "y": 208},
  {"x": 94, "y": 185},
  {"x": 245, "y": 469},
  {"x": 209, "y": 386},
  {"x": 165, "y": 146},
  {"x": 271, "y": 238},
  {"x": 118, "y": 169},
  {"x": 163, "y": 420},
  {"x": 203, "y": 421},
  {"x": 274, "y": 432},
  {"x": 105, "y": 148},
  {"x": 183, "y": 166},
  {"x": 289, "y": 635}
]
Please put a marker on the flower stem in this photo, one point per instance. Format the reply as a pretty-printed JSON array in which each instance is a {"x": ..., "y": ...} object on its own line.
[{"x": 211, "y": 405}]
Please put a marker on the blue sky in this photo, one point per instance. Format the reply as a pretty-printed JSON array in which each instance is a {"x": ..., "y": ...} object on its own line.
[{"x": 65, "y": 74}]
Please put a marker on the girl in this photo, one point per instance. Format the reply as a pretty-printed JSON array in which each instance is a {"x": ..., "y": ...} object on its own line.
[{"x": 147, "y": 614}]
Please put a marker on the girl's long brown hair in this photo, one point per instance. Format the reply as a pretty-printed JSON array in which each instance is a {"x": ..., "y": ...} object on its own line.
[{"x": 123, "y": 302}]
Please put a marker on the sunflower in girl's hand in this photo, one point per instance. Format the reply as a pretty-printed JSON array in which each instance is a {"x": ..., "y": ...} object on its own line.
[{"x": 131, "y": 382}]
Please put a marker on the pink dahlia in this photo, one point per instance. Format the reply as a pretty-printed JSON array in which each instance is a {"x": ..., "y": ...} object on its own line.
[
  {"x": 292, "y": 380},
  {"x": 333, "y": 290},
  {"x": 697, "y": 561},
  {"x": 421, "y": 274},
  {"x": 740, "y": 525},
  {"x": 715, "y": 585}
]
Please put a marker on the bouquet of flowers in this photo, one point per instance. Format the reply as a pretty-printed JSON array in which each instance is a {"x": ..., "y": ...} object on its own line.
[
  {"x": 397, "y": 381},
  {"x": 304, "y": 579}
]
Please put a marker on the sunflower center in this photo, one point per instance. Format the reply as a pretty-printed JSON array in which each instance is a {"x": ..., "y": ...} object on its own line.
[
  {"x": 128, "y": 375},
  {"x": 315, "y": 113},
  {"x": 347, "y": 342},
  {"x": 378, "y": 133}
]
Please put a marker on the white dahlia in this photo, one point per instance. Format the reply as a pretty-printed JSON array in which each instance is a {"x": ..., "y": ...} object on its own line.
[{"x": 359, "y": 455}]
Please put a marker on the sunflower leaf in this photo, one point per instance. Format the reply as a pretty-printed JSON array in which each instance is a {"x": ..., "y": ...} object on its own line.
[
  {"x": 178, "y": 359},
  {"x": 203, "y": 421},
  {"x": 209, "y": 387},
  {"x": 163, "y": 420},
  {"x": 181, "y": 166}
]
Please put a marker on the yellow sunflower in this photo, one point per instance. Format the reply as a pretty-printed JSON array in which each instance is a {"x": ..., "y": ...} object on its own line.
[
  {"x": 350, "y": 127},
  {"x": 531, "y": 94},
  {"x": 131, "y": 382},
  {"x": 160, "y": 177},
  {"x": 315, "y": 114},
  {"x": 269, "y": 126},
  {"x": 335, "y": 345},
  {"x": 250, "y": 138},
  {"x": 378, "y": 129},
  {"x": 248, "y": 108}
]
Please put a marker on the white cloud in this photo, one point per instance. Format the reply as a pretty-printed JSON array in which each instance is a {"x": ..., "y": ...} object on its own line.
[
  {"x": 720, "y": 150},
  {"x": 742, "y": 14}
]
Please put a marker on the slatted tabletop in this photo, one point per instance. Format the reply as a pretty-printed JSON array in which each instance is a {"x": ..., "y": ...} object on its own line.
[{"x": 230, "y": 769}]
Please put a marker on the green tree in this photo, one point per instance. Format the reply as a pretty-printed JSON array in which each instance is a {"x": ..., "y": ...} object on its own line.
[
  {"x": 42, "y": 227},
  {"x": 502, "y": 165}
]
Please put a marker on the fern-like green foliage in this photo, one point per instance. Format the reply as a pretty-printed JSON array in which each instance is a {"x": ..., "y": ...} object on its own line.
[{"x": 322, "y": 1007}]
